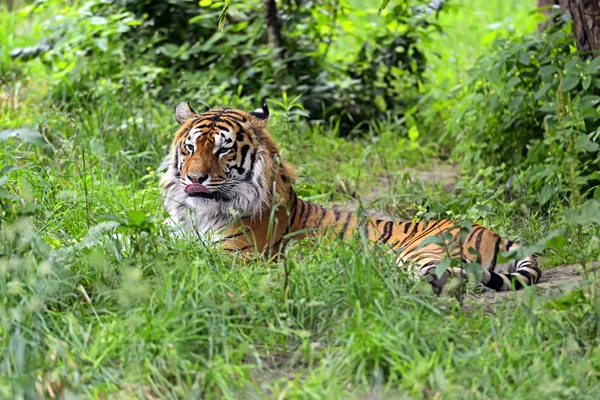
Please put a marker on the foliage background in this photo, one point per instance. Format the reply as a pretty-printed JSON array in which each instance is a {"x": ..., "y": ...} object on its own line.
[{"x": 98, "y": 300}]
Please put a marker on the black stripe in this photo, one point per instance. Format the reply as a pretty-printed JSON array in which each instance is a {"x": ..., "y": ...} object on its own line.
[
  {"x": 495, "y": 256},
  {"x": 223, "y": 127},
  {"x": 308, "y": 213},
  {"x": 342, "y": 233},
  {"x": 294, "y": 208},
  {"x": 407, "y": 226},
  {"x": 290, "y": 222},
  {"x": 508, "y": 244},
  {"x": 410, "y": 235},
  {"x": 170, "y": 185},
  {"x": 429, "y": 264},
  {"x": 478, "y": 245},
  {"x": 252, "y": 162},
  {"x": 230, "y": 111},
  {"x": 336, "y": 215},
  {"x": 530, "y": 279},
  {"x": 301, "y": 210},
  {"x": 240, "y": 233},
  {"x": 496, "y": 282},
  {"x": 322, "y": 217},
  {"x": 473, "y": 231},
  {"x": 176, "y": 164},
  {"x": 516, "y": 282},
  {"x": 418, "y": 255},
  {"x": 384, "y": 233},
  {"x": 244, "y": 153},
  {"x": 425, "y": 232},
  {"x": 387, "y": 232}
]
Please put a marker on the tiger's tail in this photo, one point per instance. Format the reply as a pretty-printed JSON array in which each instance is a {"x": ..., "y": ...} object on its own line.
[{"x": 515, "y": 274}]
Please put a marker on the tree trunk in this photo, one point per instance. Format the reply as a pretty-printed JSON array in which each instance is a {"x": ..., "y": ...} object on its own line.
[
  {"x": 586, "y": 23},
  {"x": 9, "y": 5},
  {"x": 273, "y": 28}
]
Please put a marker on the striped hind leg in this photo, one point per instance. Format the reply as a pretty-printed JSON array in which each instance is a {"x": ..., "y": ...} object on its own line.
[
  {"x": 513, "y": 275},
  {"x": 426, "y": 268}
]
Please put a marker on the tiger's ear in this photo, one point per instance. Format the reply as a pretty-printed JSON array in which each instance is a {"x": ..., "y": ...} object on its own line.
[
  {"x": 261, "y": 113},
  {"x": 183, "y": 111}
]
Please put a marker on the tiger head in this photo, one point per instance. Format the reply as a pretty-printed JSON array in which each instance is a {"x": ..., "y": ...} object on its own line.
[{"x": 223, "y": 162}]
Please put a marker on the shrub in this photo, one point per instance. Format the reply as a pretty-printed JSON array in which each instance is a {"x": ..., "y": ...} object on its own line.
[
  {"x": 176, "y": 49},
  {"x": 531, "y": 106}
]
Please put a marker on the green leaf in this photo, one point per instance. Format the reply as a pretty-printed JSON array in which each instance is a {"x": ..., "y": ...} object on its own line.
[
  {"x": 590, "y": 99},
  {"x": 102, "y": 43},
  {"x": 548, "y": 70},
  {"x": 524, "y": 58},
  {"x": 223, "y": 13},
  {"x": 593, "y": 66},
  {"x": 413, "y": 133},
  {"x": 571, "y": 66},
  {"x": 136, "y": 218},
  {"x": 27, "y": 135},
  {"x": 586, "y": 82},
  {"x": 597, "y": 193},
  {"x": 512, "y": 82},
  {"x": 541, "y": 93},
  {"x": 588, "y": 214},
  {"x": 442, "y": 267},
  {"x": 585, "y": 144},
  {"x": 383, "y": 5},
  {"x": 96, "y": 20},
  {"x": 515, "y": 102},
  {"x": 569, "y": 83},
  {"x": 548, "y": 107},
  {"x": 437, "y": 239},
  {"x": 546, "y": 194},
  {"x": 96, "y": 233}
]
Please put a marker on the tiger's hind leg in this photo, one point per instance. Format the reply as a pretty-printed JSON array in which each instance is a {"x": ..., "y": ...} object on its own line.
[
  {"x": 514, "y": 275},
  {"x": 426, "y": 268}
]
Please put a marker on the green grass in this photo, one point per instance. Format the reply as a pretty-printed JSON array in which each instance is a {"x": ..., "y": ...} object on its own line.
[{"x": 98, "y": 301}]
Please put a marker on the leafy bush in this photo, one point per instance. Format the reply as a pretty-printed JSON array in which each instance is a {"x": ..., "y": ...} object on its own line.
[
  {"x": 531, "y": 106},
  {"x": 176, "y": 49}
]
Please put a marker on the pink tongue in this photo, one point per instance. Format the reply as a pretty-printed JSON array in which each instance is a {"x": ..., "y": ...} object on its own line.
[{"x": 195, "y": 188}]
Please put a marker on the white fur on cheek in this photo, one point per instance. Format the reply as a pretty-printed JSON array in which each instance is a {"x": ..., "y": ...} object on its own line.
[{"x": 205, "y": 216}]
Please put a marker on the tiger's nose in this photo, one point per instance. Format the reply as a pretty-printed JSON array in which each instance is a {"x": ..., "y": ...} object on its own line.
[{"x": 197, "y": 178}]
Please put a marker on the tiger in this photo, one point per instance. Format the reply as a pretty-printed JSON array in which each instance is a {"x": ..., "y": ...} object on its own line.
[{"x": 225, "y": 180}]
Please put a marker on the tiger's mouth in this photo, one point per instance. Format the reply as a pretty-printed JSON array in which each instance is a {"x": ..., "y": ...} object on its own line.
[
  {"x": 195, "y": 188},
  {"x": 201, "y": 191}
]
